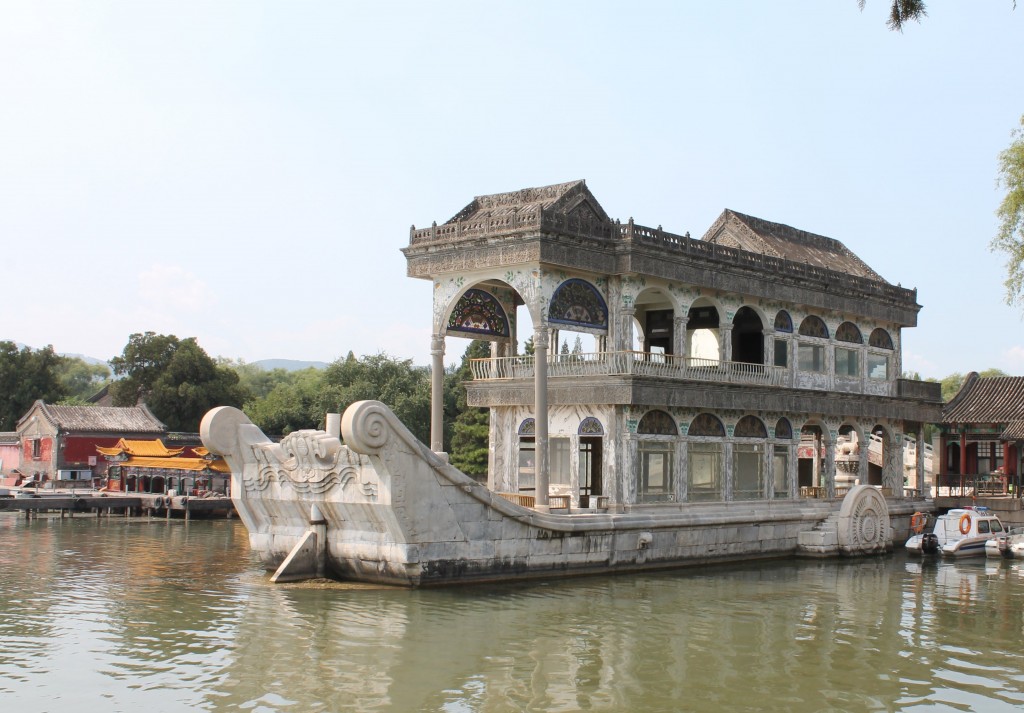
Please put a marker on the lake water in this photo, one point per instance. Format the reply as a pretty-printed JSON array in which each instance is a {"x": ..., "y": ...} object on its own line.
[{"x": 111, "y": 615}]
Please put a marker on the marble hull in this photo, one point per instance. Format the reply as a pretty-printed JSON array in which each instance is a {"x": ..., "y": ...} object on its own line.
[{"x": 385, "y": 509}]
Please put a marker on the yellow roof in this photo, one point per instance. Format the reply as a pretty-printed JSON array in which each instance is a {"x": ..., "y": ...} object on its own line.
[
  {"x": 154, "y": 448},
  {"x": 196, "y": 464}
]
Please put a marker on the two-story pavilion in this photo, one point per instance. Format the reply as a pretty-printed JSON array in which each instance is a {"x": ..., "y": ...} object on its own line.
[{"x": 711, "y": 357}]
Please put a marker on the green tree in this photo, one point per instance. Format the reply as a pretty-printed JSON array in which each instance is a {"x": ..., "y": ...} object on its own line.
[
  {"x": 178, "y": 381},
  {"x": 470, "y": 443},
  {"x": 396, "y": 382},
  {"x": 81, "y": 379},
  {"x": 25, "y": 376},
  {"x": 1010, "y": 237},
  {"x": 292, "y": 403}
]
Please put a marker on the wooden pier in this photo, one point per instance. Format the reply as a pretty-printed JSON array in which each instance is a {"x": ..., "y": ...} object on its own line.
[{"x": 100, "y": 504}]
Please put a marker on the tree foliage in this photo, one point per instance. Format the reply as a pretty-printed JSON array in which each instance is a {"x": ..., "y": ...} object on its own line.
[
  {"x": 470, "y": 441},
  {"x": 81, "y": 379},
  {"x": 176, "y": 379},
  {"x": 25, "y": 376},
  {"x": 396, "y": 382},
  {"x": 283, "y": 401},
  {"x": 901, "y": 12},
  {"x": 1010, "y": 237}
]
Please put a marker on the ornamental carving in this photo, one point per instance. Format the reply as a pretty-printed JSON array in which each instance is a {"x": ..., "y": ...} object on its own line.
[
  {"x": 480, "y": 314},
  {"x": 864, "y": 522},
  {"x": 309, "y": 462},
  {"x": 577, "y": 303}
]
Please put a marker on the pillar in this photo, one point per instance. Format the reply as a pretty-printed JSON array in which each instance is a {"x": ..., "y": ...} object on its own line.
[
  {"x": 922, "y": 486},
  {"x": 437, "y": 393},
  {"x": 540, "y": 401},
  {"x": 963, "y": 456},
  {"x": 830, "y": 465}
]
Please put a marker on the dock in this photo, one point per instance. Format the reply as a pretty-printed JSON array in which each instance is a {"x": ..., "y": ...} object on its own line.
[{"x": 127, "y": 504}]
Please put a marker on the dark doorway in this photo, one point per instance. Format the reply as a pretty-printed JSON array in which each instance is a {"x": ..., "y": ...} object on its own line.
[
  {"x": 590, "y": 468},
  {"x": 659, "y": 331}
]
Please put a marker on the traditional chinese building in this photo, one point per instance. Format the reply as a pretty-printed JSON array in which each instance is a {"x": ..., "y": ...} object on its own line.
[
  {"x": 151, "y": 467},
  {"x": 59, "y": 442},
  {"x": 710, "y": 357},
  {"x": 982, "y": 434}
]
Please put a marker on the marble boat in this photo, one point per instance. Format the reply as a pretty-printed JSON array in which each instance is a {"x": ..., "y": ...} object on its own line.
[{"x": 719, "y": 413}]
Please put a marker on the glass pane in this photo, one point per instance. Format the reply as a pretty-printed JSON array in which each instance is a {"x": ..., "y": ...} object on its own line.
[
  {"x": 812, "y": 357},
  {"x": 747, "y": 474},
  {"x": 781, "y": 486},
  {"x": 846, "y": 362},
  {"x": 781, "y": 352},
  {"x": 526, "y": 465},
  {"x": 878, "y": 366},
  {"x": 558, "y": 454},
  {"x": 704, "y": 473}
]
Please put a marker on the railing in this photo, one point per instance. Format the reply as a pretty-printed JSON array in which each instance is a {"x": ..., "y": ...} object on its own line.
[
  {"x": 631, "y": 364},
  {"x": 954, "y": 485}
]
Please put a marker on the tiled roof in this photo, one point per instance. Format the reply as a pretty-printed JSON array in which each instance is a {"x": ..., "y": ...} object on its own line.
[
  {"x": 105, "y": 419},
  {"x": 149, "y": 448},
  {"x": 997, "y": 399},
  {"x": 757, "y": 235},
  {"x": 1014, "y": 432},
  {"x": 528, "y": 201},
  {"x": 9, "y": 438}
]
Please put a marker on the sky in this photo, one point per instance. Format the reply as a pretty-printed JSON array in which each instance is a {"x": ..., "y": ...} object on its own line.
[{"x": 246, "y": 173}]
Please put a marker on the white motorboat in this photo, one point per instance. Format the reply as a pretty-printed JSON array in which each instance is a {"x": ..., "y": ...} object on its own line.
[
  {"x": 1009, "y": 544},
  {"x": 961, "y": 532}
]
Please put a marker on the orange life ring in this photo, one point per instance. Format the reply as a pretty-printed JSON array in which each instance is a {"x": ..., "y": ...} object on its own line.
[
  {"x": 917, "y": 521},
  {"x": 965, "y": 523}
]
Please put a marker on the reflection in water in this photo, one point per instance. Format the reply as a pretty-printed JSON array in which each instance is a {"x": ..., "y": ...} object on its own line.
[{"x": 136, "y": 615}]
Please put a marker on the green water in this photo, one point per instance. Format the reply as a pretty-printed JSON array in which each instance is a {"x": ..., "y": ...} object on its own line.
[{"x": 112, "y": 615}]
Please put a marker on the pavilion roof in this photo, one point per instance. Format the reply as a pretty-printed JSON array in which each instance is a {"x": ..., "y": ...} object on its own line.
[
  {"x": 557, "y": 198},
  {"x": 757, "y": 235},
  {"x": 178, "y": 463},
  {"x": 997, "y": 399},
  {"x": 99, "y": 419},
  {"x": 154, "y": 448}
]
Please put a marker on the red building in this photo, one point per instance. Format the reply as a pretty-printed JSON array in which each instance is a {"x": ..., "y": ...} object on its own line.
[{"x": 59, "y": 443}]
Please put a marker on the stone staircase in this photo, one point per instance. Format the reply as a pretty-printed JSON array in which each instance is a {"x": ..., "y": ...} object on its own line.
[{"x": 823, "y": 540}]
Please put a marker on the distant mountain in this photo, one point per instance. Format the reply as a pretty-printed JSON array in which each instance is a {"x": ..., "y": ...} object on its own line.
[
  {"x": 86, "y": 359},
  {"x": 289, "y": 364}
]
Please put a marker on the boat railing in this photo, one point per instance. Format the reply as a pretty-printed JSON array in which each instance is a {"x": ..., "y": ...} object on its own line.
[{"x": 630, "y": 363}]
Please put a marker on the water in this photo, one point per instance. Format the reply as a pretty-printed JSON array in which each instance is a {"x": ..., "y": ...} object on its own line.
[{"x": 117, "y": 615}]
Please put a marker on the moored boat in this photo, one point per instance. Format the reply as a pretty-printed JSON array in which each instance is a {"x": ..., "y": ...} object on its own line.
[
  {"x": 1009, "y": 544},
  {"x": 961, "y": 532}
]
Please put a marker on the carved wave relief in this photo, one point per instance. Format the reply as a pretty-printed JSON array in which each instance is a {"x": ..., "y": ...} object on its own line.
[{"x": 310, "y": 463}]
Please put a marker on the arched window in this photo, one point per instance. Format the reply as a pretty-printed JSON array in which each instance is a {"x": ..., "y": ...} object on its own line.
[
  {"x": 783, "y": 429},
  {"x": 478, "y": 313},
  {"x": 655, "y": 458},
  {"x": 813, "y": 326},
  {"x": 750, "y": 427},
  {"x": 748, "y": 460},
  {"x": 783, "y": 322},
  {"x": 590, "y": 426},
  {"x": 577, "y": 303},
  {"x": 811, "y": 357},
  {"x": 528, "y": 427},
  {"x": 704, "y": 472},
  {"x": 706, "y": 424},
  {"x": 878, "y": 364},
  {"x": 780, "y": 457},
  {"x": 880, "y": 339},
  {"x": 657, "y": 423},
  {"x": 848, "y": 332},
  {"x": 848, "y": 360}
]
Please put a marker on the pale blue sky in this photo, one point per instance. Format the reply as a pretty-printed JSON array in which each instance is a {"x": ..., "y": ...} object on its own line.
[{"x": 245, "y": 172}]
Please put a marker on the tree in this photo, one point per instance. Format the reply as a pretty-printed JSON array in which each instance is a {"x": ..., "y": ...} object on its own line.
[
  {"x": 396, "y": 382},
  {"x": 81, "y": 379},
  {"x": 470, "y": 443},
  {"x": 1010, "y": 237},
  {"x": 178, "y": 381},
  {"x": 25, "y": 376},
  {"x": 901, "y": 12},
  {"x": 291, "y": 404}
]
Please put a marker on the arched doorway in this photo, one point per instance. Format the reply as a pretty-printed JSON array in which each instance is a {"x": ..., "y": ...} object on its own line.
[{"x": 747, "y": 337}]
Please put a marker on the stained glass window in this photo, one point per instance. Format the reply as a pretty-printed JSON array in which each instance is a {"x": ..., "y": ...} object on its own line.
[
  {"x": 706, "y": 425},
  {"x": 578, "y": 303},
  {"x": 478, "y": 312}
]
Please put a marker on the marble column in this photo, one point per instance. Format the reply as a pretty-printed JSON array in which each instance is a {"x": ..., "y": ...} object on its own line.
[
  {"x": 540, "y": 401},
  {"x": 437, "y": 393}
]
